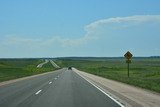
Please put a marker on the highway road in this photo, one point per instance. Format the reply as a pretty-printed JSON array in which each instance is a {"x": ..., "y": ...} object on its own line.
[
  {"x": 54, "y": 64},
  {"x": 41, "y": 64},
  {"x": 61, "y": 88}
]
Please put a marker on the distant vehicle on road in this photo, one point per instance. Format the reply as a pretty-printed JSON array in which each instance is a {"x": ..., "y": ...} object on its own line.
[{"x": 69, "y": 68}]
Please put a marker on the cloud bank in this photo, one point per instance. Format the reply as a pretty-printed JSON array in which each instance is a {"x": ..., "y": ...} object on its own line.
[
  {"x": 94, "y": 32},
  {"x": 91, "y": 29}
]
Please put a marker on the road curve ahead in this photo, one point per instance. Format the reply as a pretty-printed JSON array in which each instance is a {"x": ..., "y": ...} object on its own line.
[{"x": 61, "y": 88}]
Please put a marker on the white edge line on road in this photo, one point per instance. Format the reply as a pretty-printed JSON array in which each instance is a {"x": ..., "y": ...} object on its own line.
[
  {"x": 50, "y": 82},
  {"x": 38, "y": 92},
  {"x": 101, "y": 89}
]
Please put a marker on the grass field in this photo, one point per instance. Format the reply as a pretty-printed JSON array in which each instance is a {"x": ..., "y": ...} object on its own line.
[
  {"x": 16, "y": 68},
  {"x": 144, "y": 72}
]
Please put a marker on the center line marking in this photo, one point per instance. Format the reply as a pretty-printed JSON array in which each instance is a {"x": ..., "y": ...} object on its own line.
[
  {"x": 50, "y": 82},
  {"x": 38, "y": 92}
]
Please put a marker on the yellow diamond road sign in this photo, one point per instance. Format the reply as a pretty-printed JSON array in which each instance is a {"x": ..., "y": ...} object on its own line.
[{"x": 128, "y": 55}]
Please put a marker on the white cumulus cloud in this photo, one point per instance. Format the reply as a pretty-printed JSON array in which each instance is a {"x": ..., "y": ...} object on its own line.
[{"x": 130, "y": 20}]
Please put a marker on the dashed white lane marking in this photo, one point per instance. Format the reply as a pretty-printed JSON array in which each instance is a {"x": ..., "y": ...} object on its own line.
[
  {"x": 50, "y": 82},
  {"x": 38, "y": 92},
  {"x": 101, "y": 89}
]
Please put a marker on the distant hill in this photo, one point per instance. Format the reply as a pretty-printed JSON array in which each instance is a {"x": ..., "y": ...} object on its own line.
[
  {"x": 155, "y": 56},
  {"x": 82, "y": 58},
  {"x": 103, "y": 58},
  {"x": 89, "y": 58}
]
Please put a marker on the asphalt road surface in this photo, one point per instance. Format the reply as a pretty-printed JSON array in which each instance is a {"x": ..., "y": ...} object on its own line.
[
  {"x": 54, "y": 64},
  {"x": 41, "y": 64},
  {"x": 61, "y": 88}
]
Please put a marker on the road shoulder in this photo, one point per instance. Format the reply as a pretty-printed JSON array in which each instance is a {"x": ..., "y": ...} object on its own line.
[{"x": 126, "y": 94}]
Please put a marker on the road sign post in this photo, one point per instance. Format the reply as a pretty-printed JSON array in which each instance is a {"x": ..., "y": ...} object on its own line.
[
  {"x": 128, "y": 57},
  {"x": 128, "y": 69}
]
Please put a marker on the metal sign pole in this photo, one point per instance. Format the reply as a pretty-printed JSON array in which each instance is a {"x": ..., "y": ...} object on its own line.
[
  {"x": 128, "y": 68},
  {"x": 128, "y": 57}
]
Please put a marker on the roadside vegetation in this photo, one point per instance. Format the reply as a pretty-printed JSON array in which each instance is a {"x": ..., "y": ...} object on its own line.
[
  {"x": 144, "y": 72},
  {"x": 16, "y": 68}
]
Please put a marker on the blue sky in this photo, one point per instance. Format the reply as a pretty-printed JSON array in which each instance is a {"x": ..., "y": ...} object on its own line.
[{"x": 55, "y": 28}]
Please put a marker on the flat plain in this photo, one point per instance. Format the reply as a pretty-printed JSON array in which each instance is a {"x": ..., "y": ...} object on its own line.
[
  {"x": 17, "y": 68},
  {"x": 144, "y": 72}
]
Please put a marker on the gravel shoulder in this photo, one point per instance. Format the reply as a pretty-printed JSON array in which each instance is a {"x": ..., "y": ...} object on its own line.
[{"x": 124, "y": 93}]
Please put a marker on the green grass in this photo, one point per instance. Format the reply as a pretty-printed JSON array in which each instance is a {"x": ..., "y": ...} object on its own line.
[
  {"x": 16, "y": 68},
  {"x": 144, "y": 72}
]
